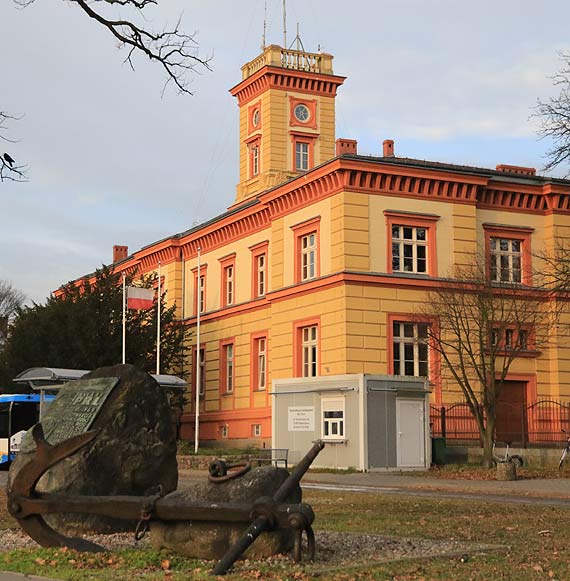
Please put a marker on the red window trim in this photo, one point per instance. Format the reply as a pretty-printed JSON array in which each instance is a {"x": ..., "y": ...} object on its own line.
[
  {"x": 251, "y": 142},
  {"x": 530, "y": 350},
  {"x": 225, "y": 262},
  {"x": 203, "y": 272},
  {"x": 254, "y": 370},
  {"x": 427, "y": 221},
  {"x": 434, "y": 356},
  {"x": 300, "y": 230},
  {"x": 250, "y": 111},
  {"x": 309, "y": 139},
  {"x": 521, "y": 233},
  {"x": 298, "y": 327},
  {"x": 223, "y": 365},
  {"x": 257, "y": 250},
  {"x": 311, "y": 104}
]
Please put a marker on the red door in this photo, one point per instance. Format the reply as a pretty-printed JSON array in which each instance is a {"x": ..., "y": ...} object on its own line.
[{"x": 511, "y": 417}]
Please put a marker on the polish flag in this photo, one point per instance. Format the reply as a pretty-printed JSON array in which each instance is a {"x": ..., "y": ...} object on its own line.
[{"x": 139, "y": 298}]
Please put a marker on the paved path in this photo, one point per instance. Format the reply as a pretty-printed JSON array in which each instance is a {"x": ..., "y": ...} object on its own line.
[{"x": 9, "y": 576}]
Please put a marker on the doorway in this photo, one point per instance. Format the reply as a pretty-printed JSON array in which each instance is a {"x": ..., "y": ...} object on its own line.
[{"x": 511, "y": 423}]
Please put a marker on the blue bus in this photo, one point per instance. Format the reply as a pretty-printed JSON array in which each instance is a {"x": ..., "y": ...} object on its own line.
[{"x": 18, "y": 413}]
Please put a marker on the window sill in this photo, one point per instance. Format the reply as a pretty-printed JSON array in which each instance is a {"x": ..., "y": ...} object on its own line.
[{"x": 335, "y": 441}]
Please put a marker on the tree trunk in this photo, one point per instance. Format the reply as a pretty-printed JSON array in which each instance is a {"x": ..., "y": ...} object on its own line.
[{"x": 487, "y": 437}]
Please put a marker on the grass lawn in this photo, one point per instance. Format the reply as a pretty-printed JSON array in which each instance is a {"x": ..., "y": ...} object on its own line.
[{"x": 534, "y": 542}]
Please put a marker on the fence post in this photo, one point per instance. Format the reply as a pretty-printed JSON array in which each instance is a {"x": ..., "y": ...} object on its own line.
[
  {"x": 524, "y": 425},
  {"x": 443, "y": 424}
]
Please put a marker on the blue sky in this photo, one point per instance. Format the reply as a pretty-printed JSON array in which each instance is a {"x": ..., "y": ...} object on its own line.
[{"x": 113, "y": 162}]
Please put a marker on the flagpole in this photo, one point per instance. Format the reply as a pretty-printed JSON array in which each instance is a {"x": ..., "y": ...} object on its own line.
[
  {"x": 124, "y": 317},
  {"x": 198, "y": 358},
  {"x": 158, "y": 303}
]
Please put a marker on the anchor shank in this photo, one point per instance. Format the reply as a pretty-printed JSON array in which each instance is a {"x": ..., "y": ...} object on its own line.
[{"x": 130, "y": 507}]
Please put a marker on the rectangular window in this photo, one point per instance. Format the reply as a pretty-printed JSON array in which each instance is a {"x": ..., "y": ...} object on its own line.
[
  {"x": 260, "y": 261},
  {"x": 410, "y": 348},
  {"x": 409, "y": 249},
  {"x": 224, "y": 431},
  {"x": 333, "y": 418},
  {"x": 301, "y": 156},
  {"x": 229, "y": 285},
  {"x": 258, "y": 362},
  {"x": 228, "y": 367},
  {"x": 505, "y": 260},
  {"x": 309, "y": 350},
  {"x": 308, "y": 256},
  {"x": 256, "y": 430},
  {"x": 261, "y": 363},
  {"x": 255, "y": 160},
  {"x": 202, "y": 371},
  {"x": 202, "y": 293},
  {"x": 510, "y": 339}
]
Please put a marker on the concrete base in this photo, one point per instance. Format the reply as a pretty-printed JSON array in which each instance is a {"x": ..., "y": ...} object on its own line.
[{"x": 533, "y": 457}]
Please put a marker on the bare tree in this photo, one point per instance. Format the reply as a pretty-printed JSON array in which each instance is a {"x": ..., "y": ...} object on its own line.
[
  {"x": 10, "y": 300},
  {"x": 480, "y": 328},
  {"x": 9, "y": 168},
  {"x": 554, "y": 115},
  {"x": 173, "y": 49}
]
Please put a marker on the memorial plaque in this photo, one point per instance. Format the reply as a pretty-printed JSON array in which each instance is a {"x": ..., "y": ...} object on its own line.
[{"x": 74, "y": 410}]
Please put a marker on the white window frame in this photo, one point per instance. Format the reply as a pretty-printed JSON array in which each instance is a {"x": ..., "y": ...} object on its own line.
[
  {"x": 333, "y": 428},
  {"x": 302, "y": 155},
  {"x": 256, "y": 430},
  {"x": 498, "y": 256},
  {"x": 400, "y": 341},
  {"x": 400, "y": 243},
  {"x": 309, "y": 256},
  {"x": 202, "y": 293},
  {"x": 310, "y": 351},
  {"x": 229, "y": 280},
  {"x": 255, "y": 160},
  {"x": 229, "y": 354},
  {"x": 261, "y": 262},
  {"x": 224, "y": 431},
  {"x": 261, "y": 363}
]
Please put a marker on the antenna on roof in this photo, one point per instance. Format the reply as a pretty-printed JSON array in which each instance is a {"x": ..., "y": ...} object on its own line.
[
  {"x": 264, "y": 27},
  {"x": 284, "y": 23},
  {"x": 297, "y": 41}
]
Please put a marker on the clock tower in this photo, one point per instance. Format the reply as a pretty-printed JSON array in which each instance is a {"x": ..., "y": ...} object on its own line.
[{"x": 287, "y": 117}]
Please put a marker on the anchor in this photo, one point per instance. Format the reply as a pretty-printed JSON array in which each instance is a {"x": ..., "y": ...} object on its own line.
[{"x": 28, "y": 506}]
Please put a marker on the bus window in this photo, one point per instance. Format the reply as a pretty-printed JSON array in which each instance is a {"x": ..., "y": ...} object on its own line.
[
  {"x": 24, "y": 415},
  {"x": 4, "y": 420}
]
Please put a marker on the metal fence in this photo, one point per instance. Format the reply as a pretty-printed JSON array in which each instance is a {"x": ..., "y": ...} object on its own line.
[{"x": 538, "y": 424}]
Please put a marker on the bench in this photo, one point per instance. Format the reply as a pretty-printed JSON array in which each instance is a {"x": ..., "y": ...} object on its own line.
[{"x": 273, "y": 456}]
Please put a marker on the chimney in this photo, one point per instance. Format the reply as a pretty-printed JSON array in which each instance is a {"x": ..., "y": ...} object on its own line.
[
  {"x": 388, "y": 148},
  {"x": 120, "y": 253},
  {"x": 346, "y": 146},
  {"x": 520, "y": 170}
]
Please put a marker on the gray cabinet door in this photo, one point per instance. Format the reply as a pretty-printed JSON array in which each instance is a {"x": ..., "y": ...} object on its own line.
[{"x": 410, "y": 433}]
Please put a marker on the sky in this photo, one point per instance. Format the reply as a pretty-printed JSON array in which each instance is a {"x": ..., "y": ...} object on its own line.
[{"x": 113, "y": 161}]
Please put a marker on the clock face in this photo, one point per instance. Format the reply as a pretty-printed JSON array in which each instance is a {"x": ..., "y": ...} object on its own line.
[
  {"x": 301, "y": 113},
  {"x": 255, "y": 118}
]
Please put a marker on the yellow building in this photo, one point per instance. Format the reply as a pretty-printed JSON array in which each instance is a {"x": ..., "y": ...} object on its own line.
[{"x": 318, "y": 266}]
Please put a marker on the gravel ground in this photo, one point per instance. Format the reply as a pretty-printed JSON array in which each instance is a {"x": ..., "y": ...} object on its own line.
[{"x": 333, "y": 548}]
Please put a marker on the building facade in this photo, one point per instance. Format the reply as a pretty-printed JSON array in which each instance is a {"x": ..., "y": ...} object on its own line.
[{"x": 319, "y": 266}]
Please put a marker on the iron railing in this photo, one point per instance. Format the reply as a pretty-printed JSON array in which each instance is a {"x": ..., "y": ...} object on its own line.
[{"x": 537, "y": 424}]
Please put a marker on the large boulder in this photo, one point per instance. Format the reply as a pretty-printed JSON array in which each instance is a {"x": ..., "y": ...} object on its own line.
[
  {"x": 212, "y": 540},
  {"x": 133, "y": 453}
]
